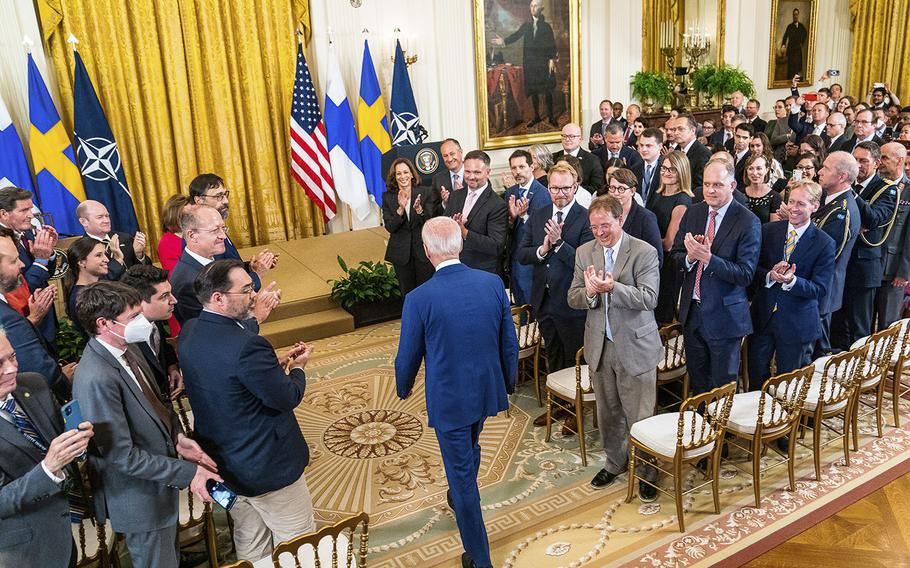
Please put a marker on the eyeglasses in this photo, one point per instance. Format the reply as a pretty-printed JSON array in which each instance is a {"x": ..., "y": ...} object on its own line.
[
  {"x": 246, "y": 290},
  {"x": 600, "y": 228},
  {"x": 567, "y": 189},
  {"x": 570, "y": 136},
  {"x": 667, "y": 170},
  {"x": 221, "y": 228},
  {"x": 218, "y": 196},
  {"x": 618, "y": 189}
]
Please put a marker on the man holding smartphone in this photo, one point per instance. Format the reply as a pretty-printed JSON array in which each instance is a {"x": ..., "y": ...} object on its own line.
[
  {"x": 243, "y": 400},
  {"x": 35, "y": 469}
]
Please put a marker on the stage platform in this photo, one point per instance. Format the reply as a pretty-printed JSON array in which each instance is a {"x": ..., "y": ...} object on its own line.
[{"x": 305, "y": 266}]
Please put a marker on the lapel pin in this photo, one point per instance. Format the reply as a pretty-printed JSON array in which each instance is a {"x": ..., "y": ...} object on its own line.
[{"x": 26, "y": 394}]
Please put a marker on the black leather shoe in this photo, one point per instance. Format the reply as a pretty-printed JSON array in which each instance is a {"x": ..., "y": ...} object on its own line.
[
  {"x": 466, "y": 561},
  {"x": 646, "y": 493},
  {"x": 602, "y": 479},
  {"x": 449, "y": 499}
]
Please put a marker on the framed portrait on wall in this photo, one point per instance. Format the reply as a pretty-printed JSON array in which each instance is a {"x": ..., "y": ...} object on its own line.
[
  {"x": 528, "y": 74},
  {"x": 793, "y": 32}
]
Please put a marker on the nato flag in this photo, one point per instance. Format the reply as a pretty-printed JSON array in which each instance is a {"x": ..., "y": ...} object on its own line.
[
  {"x": 406, "y": 128},
  {"x": 98, "y": 155}
]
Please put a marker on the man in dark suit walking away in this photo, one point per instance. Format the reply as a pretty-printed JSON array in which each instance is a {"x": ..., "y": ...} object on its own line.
[{"x": 459, "y": 396}]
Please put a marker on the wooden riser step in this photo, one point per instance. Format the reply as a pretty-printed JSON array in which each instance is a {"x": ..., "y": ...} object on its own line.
[{"x": 326, "y": 323}]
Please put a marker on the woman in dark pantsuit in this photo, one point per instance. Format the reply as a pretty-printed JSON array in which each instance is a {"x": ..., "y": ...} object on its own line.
[{"x": 405, "y": 207}]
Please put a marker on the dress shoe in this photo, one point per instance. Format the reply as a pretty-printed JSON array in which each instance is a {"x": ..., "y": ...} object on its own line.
[
  {"x": 602, "y": 479},
  {"x": 449, "y": 501},
  {"x": 542, "y": 419},
  {"x": 646, "y": 493},
  {"x": 467, "y": 562},
  {"x": 570, "y": 426},
  {"x": 534, "y": 122},
  {"x": 783, "y": 444}
]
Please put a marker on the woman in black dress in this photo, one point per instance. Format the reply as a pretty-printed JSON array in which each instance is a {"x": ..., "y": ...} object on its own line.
[
  {"x": 761, "y": 200},
  {"x": 88, "y": 263},
  {"x": 669, "y": 203},
  {"x": 405, "y": 207}
]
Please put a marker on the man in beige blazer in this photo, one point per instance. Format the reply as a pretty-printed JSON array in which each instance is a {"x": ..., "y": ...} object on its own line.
[{"x": 616, "y": 280}]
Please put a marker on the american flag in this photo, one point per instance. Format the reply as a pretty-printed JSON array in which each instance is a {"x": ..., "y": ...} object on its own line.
[{"x": 309, "y": 151}]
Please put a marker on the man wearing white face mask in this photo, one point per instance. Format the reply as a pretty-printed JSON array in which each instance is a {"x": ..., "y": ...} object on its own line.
[{"x": 138, "y": 440}]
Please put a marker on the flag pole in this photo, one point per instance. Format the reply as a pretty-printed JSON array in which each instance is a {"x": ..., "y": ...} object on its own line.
[{"x": 72, "y": 40}]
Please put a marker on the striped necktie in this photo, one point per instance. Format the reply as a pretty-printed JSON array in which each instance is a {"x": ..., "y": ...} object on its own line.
[
  {"x": 26, "y": 427},
  {"x": 789, "y": 245}
]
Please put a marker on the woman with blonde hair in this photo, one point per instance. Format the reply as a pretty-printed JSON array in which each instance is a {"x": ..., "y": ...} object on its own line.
[{"x": 669, "y": 203}]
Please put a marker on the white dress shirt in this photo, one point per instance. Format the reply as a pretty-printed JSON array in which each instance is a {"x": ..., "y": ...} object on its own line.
[
  {"x": 200, "y": 259},
  {"x": 8, "y": 418},
  {"x": 799, "y": 233},
  {"x": 445, "y": 263}
]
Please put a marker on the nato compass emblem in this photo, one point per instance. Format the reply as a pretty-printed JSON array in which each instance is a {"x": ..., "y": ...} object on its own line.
[
  {"x": 100, "y": 159},
  {"x": 406, "y": 129}
]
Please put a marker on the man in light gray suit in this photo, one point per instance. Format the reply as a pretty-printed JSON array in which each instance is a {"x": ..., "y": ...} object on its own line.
[
  {"x": 138, "y": 438},
  {"x": 616, "y": 280},
  {"x": 35, "y": 471}
]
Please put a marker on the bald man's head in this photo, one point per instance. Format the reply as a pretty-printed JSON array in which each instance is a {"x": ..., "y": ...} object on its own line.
[
  {"x": 94, "y": 218},
  {"x": 893, "y": 157},
  {"x": 571, "y": 137}
]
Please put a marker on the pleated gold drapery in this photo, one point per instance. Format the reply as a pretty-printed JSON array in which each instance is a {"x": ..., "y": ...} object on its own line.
[
  {"x": 881, "y": 46},
  {"x": 193, "y": 86},
  {"x": 656, "y": 12}
]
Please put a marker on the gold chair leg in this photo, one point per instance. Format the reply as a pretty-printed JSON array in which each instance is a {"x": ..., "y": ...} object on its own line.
[
  {"x": 715, "y": 477},
  {"x": 678, "y": 494},
  {"x": 817, "y": 443},
  {"x": 631, "y": 491},
  {"x": 791, "y": 457},
  {"x": 211, "y": 540},
  {"x": 580, "y": 427},
  {"x": 756, "y": 469},
  {"x": 549, "y": 415},
  {"x": 895, "y": 397},
  {"x": 537, "y": 374},
  {"x": 879, "y": 402}
]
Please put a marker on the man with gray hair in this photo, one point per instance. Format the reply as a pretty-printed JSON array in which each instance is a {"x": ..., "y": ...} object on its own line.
[
  {"x": 835, "y": 126},
  {"x": 896, "y": 258},
  {"x": 459, "y": 396},
  {"x": 839, "y": 217}
]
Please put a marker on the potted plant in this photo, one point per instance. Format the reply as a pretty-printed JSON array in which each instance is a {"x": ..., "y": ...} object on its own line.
[
  {"x": 727, "y": 79},
  {"x": 701, "y": 83},
  {"x": 651, "y": 87},
  {"x": 70, "y": 342},
  {"x": 368, "y": 291}
]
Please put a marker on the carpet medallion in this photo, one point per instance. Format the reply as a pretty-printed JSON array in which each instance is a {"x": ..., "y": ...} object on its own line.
[{"x": 372, "y": 452}]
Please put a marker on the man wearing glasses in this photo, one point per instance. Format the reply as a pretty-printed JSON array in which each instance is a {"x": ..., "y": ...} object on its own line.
[
  {"x": 549, "y": 244},
  {"x": 834, "y": 128},
  {"x": 863, "y": 131},
  {"x": 243, "y": 398},
  {"x": 593, "y": 178},
  {"x": 208, "y": 189}
]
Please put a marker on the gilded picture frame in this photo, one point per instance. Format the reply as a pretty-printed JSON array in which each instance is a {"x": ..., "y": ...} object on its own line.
[
  {"x": 792, "y": 49},
  {"x": 515, "y": 108}
]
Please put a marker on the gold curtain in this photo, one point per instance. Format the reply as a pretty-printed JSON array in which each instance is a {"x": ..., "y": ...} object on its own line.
[
  {"x": 194, "y": 86},
  {"x": 654, "y": 13},
  {"x": 881, "y": 46}
]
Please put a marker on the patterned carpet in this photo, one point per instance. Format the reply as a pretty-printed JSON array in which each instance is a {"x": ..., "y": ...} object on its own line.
[{"x": 372, "y": 452}]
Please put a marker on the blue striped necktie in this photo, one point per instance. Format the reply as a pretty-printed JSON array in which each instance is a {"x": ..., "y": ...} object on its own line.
[{"x": 26, "y": 427}]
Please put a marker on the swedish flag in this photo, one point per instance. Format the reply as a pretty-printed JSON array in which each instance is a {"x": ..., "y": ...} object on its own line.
[
  {"x": 59, "y": 181},
  {"x": 372, "y": 126}
]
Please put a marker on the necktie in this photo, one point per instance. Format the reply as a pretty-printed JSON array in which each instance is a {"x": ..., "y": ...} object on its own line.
[
  {"x": 156, "y": 340},
  {"x": 456, "y": 181},
  {"x": 608, "y": 267},
  {"x": 789, "y": 245},
  {"x": 26, "y": 427},
  {"x": 163, "y": 413},
  {"x": 647, "y": 185},
  {"x": 559, "y": 217},
  {"x": 709, "y": 236},
  {"x": 469, "y": 204}
]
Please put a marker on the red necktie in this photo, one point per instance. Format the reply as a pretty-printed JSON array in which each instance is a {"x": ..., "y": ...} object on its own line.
[{"x": 709, "y": 237}]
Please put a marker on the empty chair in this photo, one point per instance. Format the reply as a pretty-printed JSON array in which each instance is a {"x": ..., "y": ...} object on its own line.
[
  {"x": 671, "y": 369},
  {"x": 331, "y": 546},
  {"x": 569, "y": 389},
  {"x": 528, "y": 345},
  {"x": 698, "y": 434},
  {"x": 873, "y": 371}
]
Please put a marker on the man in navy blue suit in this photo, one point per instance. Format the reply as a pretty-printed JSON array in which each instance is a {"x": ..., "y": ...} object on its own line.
[
  {"x": 717, "y": 245},
  {"x": 614, "y": 148},
  {"x": 794, "y": 273},
  {"x": 468, "y": 375},
  {"x": 36, "y": 251},
  {"x": 243, "y": 403},
  {"x": 526, "y": 196},
  {"x": 209, "y": 189}
]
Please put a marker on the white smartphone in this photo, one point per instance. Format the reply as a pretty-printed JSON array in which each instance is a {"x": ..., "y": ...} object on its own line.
[{"x": 797, "y": 175}]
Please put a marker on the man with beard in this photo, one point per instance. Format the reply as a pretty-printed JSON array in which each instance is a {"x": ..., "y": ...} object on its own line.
[
  {"x": 538, "y": 59},
  {"x": 208, "y": 189},
  {"x": 35, "y": 353},
  {"x": 243, "y": 398}
]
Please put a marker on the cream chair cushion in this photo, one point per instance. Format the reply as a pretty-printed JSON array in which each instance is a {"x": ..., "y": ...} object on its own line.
[
  {"x": 658, "y": 433},
  {"x": 562, "y": 382},
  {"x": 744, "y": 413}
]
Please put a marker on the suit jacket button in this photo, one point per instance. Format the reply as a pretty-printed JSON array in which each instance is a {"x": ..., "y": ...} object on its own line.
[{"x": 548, "y": 265}]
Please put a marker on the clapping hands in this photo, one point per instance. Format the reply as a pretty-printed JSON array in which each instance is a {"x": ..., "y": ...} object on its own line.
[
  {"x": 783, "y": 272},
  {"x": 698, "y": 248}
]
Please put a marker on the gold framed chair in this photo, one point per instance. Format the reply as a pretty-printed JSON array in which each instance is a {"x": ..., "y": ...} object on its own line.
[
  {"x": 570, "y": 389},
  {"x": 900, "y": 369},
  {"x": 761, "y": 417},
  {"x": 671, "y": 368},
  {"x": 196, "y": 522},
  {"x": 699, "y": 434},
  {"x": 528, "y": 346},
  {"x": 326, "y": 543},
  {"x": 873, "y": 372},
  {"x": 239, "y": 564},
  {"x": 96, "y": 543},
  {"x": 830, "y": 395}
]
